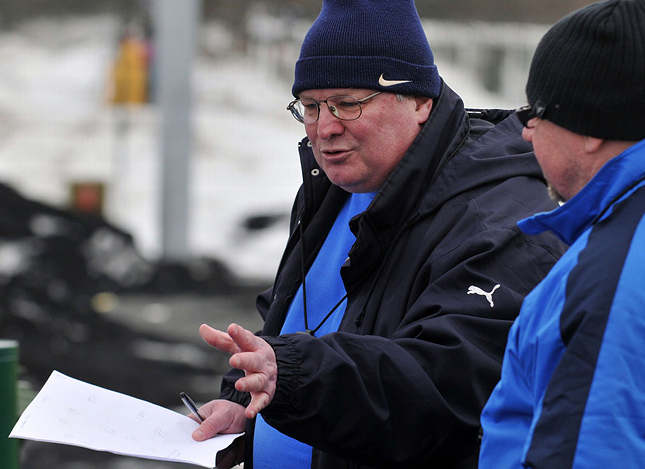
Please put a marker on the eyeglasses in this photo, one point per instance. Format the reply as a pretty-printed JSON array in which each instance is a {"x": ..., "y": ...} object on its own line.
[
  {"x": 526, "y": 113},
  {"x": 347, "y": 108}
]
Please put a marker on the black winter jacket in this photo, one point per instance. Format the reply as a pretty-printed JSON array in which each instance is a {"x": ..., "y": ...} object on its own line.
[{"x": 404, "y": 380}]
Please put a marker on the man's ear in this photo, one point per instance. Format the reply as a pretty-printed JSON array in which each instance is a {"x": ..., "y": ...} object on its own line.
[
  {"x": 424, "y": 106},
  {"x": 592, "y": 144}
]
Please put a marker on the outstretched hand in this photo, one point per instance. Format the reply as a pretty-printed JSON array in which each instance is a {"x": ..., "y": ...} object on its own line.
[{"x": 251, "y": 354}]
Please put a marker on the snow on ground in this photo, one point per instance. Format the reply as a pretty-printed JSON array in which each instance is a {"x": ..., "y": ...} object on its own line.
[{"x": 56, "y": 128}]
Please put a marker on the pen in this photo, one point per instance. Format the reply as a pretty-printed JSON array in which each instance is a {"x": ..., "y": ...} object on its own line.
[{"x": 191, "y": 405}]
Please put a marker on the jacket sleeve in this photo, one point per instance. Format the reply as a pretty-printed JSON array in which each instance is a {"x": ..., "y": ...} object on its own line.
[
  {"x": 589, "y": 381},
  {"x": 416, "y": 389}
]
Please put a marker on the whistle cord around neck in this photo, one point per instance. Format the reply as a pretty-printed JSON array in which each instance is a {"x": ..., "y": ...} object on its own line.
[
  {"x": 312, "y": 332},
  {"x": 302, "y": 272}
]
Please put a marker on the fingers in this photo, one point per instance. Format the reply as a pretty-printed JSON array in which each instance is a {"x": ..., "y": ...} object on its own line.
[
  {"x": 260, "y": 368},
  {"x": 249, "y": 361},
  {"x": 221, "y": 416},
  {"x": 218, "y": 339},
  {"x": 245, "y": 339},
  {"x": 234, "y": 340},
  {"x": 254, "y": 381},
  {"x": 258, "y": 402},
  {"x": 255, "y": 357},
  {"x": 207, "y": 429}
]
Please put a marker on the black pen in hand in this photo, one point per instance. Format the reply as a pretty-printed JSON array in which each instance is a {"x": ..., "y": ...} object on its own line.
[{"x": 191, "y": 405}]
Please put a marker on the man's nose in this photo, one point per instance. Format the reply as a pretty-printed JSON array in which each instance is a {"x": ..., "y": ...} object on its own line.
[
  {"x": 527, "y": 134},
  {"x": 328, "y": 124}
]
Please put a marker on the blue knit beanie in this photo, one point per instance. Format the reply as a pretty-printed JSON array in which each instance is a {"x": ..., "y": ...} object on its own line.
[{"x": 372, "y": 44}]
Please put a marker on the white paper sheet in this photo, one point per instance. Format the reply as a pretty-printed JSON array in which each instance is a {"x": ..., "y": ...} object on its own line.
[{"x": 72, "y": 412}]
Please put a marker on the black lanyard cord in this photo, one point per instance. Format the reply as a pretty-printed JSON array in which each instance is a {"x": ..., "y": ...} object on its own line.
[
  {"x": 302, "y": 272},
  {"x": 312, "y": 332}
]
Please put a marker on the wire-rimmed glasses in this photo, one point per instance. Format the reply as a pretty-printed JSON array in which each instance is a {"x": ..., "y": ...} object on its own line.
[{"x": 347, "y": 108}]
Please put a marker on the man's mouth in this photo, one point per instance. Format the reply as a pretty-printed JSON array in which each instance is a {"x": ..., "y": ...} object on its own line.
[{"x": 334, "y": 153}]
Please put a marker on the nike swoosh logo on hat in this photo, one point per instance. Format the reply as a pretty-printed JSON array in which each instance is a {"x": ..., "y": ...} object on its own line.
[{"x": 383, "y": 82}]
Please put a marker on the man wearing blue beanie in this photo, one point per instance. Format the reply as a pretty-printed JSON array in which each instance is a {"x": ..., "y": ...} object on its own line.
[
  {"x": 572, "y": 390},
  {"x": 385, "y": 327}
]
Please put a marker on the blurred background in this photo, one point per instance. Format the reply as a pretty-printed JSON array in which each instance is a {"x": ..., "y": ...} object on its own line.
[{"x": 147, "y": 171}]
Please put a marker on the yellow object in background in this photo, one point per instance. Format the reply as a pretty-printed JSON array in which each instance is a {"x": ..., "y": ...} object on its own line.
[{"x": 129, "y": 81}]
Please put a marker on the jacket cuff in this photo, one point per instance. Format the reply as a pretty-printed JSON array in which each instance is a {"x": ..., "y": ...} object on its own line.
[{"x": 288, "y": 380}]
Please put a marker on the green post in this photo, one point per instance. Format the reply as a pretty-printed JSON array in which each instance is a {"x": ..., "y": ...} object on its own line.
[{"x": 8, "y": 402}]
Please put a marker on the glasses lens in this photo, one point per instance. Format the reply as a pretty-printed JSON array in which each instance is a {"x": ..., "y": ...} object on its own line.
[
  {"x": 344, "y": 107},
  {"x": 293, "y": 107},
  {"x": 308, "y": 108}
]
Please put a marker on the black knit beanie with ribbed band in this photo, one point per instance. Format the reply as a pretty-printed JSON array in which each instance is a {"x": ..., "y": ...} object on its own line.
[
  {"x": 372, "y": 44},
  {"x": 589, "y": 71}
]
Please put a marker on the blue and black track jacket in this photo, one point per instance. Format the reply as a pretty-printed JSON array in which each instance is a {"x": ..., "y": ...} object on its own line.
[{"x": 572, "y": 392}]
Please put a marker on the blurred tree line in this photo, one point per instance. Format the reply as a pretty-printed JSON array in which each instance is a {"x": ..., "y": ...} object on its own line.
[{"x": 234, "y": 11}]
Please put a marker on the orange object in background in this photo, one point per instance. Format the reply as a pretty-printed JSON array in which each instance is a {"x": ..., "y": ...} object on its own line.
[{"x": 129, "y": 80}]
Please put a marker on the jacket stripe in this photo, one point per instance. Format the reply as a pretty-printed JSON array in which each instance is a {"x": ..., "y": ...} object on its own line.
[{"x": 590, "y": 292}]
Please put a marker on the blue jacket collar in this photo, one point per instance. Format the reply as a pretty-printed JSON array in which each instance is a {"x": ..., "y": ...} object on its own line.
[{"x": 618, "y": 176}]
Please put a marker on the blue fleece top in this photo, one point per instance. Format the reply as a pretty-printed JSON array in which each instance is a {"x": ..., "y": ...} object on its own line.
[{"x": 325, "y": 288}]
